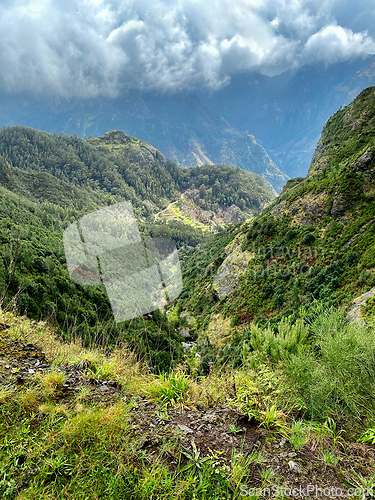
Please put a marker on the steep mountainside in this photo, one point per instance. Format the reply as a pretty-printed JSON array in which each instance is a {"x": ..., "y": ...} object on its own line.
[
  {"x": 124, "y": 167},
  {"x": 287, "y": 112},
  {"x": 316, "y": 241},
  {"x": 179, "y": 125}
]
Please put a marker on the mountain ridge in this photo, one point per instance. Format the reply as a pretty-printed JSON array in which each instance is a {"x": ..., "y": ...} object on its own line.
[
  {"x": 288, "y": 111},
  {"x": 179, "y": 125}
]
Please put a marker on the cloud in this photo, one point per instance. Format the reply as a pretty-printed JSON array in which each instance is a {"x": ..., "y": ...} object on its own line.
[
  {"x": 335, "y": 43},
  {"x": 101, "y": 47}
]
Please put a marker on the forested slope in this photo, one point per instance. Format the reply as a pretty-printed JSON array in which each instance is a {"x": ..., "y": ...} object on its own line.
[{"x": 48, "y": 181}]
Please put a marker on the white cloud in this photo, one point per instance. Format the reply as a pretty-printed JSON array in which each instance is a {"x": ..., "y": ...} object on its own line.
[
  {"x": 335, "y": 43},
  {"x": 91, "y": 47}
]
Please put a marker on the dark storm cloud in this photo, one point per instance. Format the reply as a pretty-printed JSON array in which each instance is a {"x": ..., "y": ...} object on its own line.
[{"x": 92, "y": 47}]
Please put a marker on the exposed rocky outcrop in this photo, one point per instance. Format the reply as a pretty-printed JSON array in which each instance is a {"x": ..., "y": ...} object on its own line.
[
  {"x": 364, "y": 161},
  {"x": 339, "y": 206},
  {"x": 234, "y": 265},
  {"x": 310, "y": 209},
  {"x": 355, "y": 312}
]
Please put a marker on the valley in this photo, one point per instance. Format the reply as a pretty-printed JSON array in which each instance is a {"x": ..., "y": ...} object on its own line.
[{"x": 252, "y": 378}]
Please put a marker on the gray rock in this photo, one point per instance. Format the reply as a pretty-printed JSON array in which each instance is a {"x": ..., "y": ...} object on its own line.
[
  {"x": 185, "y": 429},
  {"x": 282, "y": 442},
  {"x": 338, "y": 207},
  {"x": 364, "y": 161},
  {"x": 185, "y": 333},
  {"x": 279, "y": 209},
  {"x": 210, "y": 417},
  {"x": 188, "y": 345},
  {"x": 354, "y": 313},
  {"x": 294, "y": 467}
]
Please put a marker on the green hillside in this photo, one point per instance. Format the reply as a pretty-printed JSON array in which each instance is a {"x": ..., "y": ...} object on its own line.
[
  {"x": 178, "y": 124},
  {"x": 316, "y": 241},
  {"x": 48, "y": 181}
]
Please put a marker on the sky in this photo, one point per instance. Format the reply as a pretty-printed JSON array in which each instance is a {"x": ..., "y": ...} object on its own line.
[{"x": 88, "y": 48}]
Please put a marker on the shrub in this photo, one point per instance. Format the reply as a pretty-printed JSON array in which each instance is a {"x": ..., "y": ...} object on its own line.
[
  {"x": 267, "y": 289},
  {"x": 308, "y": 239},
  {"x": 290, "y": 235},
  {"x": 170, "y": 389},
  {"x": 352, "y": 258},
  {"x": 206, "y": 364},
  {"x": 279, "y": 300},
  {"x": 336, "y": 375},
  {"x": 277, "y": 346}
]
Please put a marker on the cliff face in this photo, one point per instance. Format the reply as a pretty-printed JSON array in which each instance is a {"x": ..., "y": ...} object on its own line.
[{"x": 348, "y": 137}]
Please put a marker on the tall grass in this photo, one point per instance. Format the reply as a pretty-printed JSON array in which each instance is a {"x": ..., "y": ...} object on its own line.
[
  {"x": 336, "y": 374},
  {"x": 329, "y": 362}
]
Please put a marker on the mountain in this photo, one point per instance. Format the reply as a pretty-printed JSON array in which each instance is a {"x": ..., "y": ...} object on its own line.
[
  {"x": 275, "y": 380},
  {"x": 49, "y": 181},
  {"x": 316, "y": 241},
  {"x": 179, "y": 125},
  {"x": 267, "y": 125},
  {"x": 287, "y": 112}
]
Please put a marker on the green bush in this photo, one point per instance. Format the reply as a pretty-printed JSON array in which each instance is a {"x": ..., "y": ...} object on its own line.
[
  {"x": 267, "y": 289},
  {"x": 308, "y": 239},
  {"x": 352, "y": 258},
  {"x": 336, "y": 375},
  {"x": 290, "y": 235},
  {"x": 279, "y": 300},
  {"x": 267, "y": 344}
]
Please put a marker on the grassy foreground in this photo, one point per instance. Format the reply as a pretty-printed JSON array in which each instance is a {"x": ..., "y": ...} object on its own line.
[{"x": 80, "y": 423}]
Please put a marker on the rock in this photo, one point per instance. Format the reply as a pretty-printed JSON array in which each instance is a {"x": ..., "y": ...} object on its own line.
[
  {"x": 31, "y": 371},
  {"x": 188, "y": 345},
  {"x": 185, "y": 333},
  {"x": 310, "y": 209},
  {"x": 294, "y": 467},
  {"x": 278, "y": 209},
  {"x": 354, "y": 313},
  {"x": 219, "y": 331},
  {"x": 185, "y": 429},
  {"x": 363, "y": 161},
  {"x": 338, "y": 207},
  {"x": 282, "y": 442},
  {"x": 212, "y": 418},
  {"x": 235, "y": 264}
]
